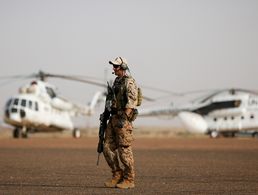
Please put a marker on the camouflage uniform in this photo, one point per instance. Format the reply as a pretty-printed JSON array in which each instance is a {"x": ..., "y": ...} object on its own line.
[{"x": 119, "y": 135}]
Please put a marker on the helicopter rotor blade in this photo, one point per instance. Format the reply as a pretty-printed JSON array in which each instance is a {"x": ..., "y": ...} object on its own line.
[
  {"x": 74, "y": 78},
  {"x": 43, "y": 75},
  {"x": 6, "y": 80},
  {"x": 161, "y": 90}
]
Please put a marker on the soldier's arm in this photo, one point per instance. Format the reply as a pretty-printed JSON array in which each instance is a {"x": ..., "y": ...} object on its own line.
[{"x": 131, "y": 92}]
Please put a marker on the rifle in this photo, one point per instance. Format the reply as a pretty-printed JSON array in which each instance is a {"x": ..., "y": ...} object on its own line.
[{"x": 104, "y": 117}]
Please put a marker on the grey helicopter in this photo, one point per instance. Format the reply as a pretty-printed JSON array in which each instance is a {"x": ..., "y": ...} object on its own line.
[
  {"x": 38, "y": 108},
  {"x": 224, "y": 112}
]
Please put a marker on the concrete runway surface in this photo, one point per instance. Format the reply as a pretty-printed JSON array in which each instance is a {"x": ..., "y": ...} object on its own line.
[{"x": 163, "y": 166}]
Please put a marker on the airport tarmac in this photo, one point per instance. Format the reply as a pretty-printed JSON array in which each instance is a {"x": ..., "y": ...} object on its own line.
[{"x": 174, "y": 165}]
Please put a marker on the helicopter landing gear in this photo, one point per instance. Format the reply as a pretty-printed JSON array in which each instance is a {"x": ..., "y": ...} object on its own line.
[
  {"x": 76, "y": 133},
  {"x": 214, "y": 134},
  {"x": 24, "y": 132},
  {"x": 20, "y": 132}
]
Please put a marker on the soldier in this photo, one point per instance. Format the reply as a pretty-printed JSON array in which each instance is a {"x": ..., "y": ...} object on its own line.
[{"x": 119, "y": 135}]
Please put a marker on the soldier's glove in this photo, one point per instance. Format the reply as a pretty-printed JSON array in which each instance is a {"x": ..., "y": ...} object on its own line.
[
  {"x": 101, "y": 117},
  {"x": 134, "y": 115}
]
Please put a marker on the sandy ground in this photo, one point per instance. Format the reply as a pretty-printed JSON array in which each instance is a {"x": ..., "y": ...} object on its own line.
[{"x": 172, "y": 165}]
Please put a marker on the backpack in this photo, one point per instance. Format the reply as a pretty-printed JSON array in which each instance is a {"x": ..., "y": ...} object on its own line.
[{"x": 140, "y": 97}]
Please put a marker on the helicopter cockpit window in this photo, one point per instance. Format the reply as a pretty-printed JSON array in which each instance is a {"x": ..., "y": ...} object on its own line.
[
  {"x": 23, "y": 102},
  {"x": 30, "y": 104},
  {"x": 9, "y": 102},
  {"x": 51, "y": 92},
  {"x": 14, "y": 110},
  {"x": 36, "y": 106},
  {"x": 16, "y": 101}
]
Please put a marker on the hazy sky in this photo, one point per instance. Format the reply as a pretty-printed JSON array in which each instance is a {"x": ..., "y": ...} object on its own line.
[{"x": 178, "y": 45}]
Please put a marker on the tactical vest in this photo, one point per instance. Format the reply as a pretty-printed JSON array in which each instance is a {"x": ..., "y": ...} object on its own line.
[
  {"x": 121, "y": 98},
  {"x": 119, "y": 88}
]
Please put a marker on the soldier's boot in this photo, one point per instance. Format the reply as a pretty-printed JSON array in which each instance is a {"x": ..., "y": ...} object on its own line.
[
  {"x": 125, "y": 184},
  {"x": 117, "y": 177}
]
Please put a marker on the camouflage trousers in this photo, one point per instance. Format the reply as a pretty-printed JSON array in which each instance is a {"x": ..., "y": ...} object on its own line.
[{"x": 118, "y": 145}]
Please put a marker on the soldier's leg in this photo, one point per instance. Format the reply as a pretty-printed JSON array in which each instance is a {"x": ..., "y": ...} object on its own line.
[
  {"x": 125, "y": 138},
  {"x": 111, "y": 156},
  {"x": 110, "y": 147},
  {"x": 126, "y": 157}
]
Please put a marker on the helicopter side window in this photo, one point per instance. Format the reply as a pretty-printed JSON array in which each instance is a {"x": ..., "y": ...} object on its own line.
[
  {"x": 51, "y": 92},
  {"x": 218, "y": 105},
  {"x": 36, "y": 106},
  {"x": 9, "y": 102},
  {"x": 23, "y": 102},
  {"x": 16, "y": 101}
]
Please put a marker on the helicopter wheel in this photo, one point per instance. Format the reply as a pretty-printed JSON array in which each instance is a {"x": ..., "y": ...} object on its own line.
[
  {"x": 16, "y": 132},
  {"x": 255, "y": 135},
  {"x": 214, "y": 134},
  {"x": 76, "y": 133}
]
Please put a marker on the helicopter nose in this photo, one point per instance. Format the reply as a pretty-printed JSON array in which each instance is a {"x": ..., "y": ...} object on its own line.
[
  {"x": 13, "y": 116},
  {"x": 193, "y": 122}
]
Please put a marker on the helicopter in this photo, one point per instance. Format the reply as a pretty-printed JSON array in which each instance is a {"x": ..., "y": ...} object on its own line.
[
  {"x": 38, "y": 108},
  {"x": 220, "y": 113}
]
